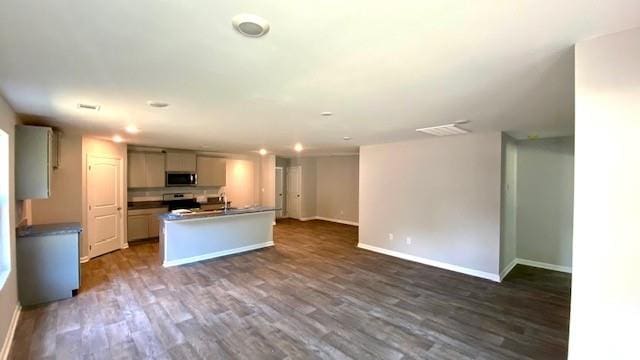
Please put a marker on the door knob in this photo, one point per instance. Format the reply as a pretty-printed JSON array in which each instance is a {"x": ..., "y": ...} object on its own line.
[{"x": 119, "y": 208}]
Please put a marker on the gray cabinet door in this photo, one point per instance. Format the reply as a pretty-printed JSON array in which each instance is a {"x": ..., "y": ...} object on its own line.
[
  {"x": 181, "y": 161},
  {"x": 33, "y": 162},
  {"x": 136, "y": 170},
  {"x": 154, "y": 165},
  {"x": 212, "y": 171},
  {"x": 137, "y": 227}
]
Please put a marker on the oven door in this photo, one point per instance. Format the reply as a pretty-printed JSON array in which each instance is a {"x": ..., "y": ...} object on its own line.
[{"x": 176, "y": 178}]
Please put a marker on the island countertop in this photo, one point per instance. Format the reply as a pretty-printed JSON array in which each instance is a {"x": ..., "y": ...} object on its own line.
[{"x": 216, "y": 213}]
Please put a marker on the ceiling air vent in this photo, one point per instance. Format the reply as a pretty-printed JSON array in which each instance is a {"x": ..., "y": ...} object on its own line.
[{"x": 444, "y": 130}]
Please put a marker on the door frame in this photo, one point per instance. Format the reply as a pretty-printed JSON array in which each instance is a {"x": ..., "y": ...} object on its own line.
[
  {"x": 85, "y": 200},
  {"x": 299, "y": 167},
  {"x": 283, "y": 212}
]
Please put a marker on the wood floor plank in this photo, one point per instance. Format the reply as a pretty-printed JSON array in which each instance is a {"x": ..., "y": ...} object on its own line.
[{"x": 314, "y": 295}]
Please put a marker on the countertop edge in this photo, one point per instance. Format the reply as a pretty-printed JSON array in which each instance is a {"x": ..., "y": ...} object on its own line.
[{"x": 204, "y": 215}]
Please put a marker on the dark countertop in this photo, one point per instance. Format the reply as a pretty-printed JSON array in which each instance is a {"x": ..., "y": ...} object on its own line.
[
  {"x": 138, "y": 205},
  {"x": 216, "y": 213},
  {"x": 48, "y": 229}
]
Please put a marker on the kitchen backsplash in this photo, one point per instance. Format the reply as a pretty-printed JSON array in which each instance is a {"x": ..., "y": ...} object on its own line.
[{"x": 156, "y": 194}]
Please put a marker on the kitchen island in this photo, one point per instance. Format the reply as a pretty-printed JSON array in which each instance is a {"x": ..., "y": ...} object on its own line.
[{"x": 198, "y": 236}]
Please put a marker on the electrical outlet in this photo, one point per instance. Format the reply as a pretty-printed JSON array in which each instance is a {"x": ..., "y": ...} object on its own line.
[
  {"x": 390, "y": 236},
  {"x": 408, "y": 240}
]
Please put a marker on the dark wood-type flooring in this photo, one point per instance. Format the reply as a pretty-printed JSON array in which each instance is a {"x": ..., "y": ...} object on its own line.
[{"x": 313, "y": 295}]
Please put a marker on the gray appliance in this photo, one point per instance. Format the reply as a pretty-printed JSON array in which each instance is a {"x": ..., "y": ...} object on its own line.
[
  {"x": 181, "y": 178},
  {"x": 48, "y": 262},
  {"x": 180, "y": 201}
]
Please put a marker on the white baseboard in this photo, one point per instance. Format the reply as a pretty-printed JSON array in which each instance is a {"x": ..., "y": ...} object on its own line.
[
  {"x": 329, "y": 219},
  {"x": 84, "y": 259},
  {"x": 8, "y": 339},
  {"x": 216, "y": 254},
  {"x": 538, "y": 264},
  {"x": 438, "y": 264},
  {"x": 337, "y": 221},
  {"x": 125, "y": 246},
  {"x": 508, "y": 269}
]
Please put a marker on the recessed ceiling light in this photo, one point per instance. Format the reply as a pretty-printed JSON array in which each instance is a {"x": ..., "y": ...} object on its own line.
[
  {"x": 346, "y": 138},
  {"x": 157, "y": 104},
  {"x": 117, "y": 139},
  {"x": 326, "y": 113},
  {"x": 263, "y": 152},
  {"x": 298, "y": 147},
  {"x": 132, "y": 129},
  {"x": 250, "y": 25},
  {"x": 93, "y": 107}
]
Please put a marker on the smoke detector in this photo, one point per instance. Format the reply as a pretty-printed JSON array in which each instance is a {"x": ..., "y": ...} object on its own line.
[
  {"x": 444, "y": 130},
  {"x": 250, "y": 25}
]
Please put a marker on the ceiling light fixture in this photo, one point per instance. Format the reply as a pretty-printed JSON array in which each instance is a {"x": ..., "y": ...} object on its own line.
[
  {"x": 250, "y": 25},
  {"x": 298, "y": 147},
  {"x": 157, "y": 104},
  {"x": 326, "y": 113},
  {"x": 132, "y": 129},
  {"x": 263, "y": 152},
  {"x": 346, "y": 138},
  {"x": 94, "y": 107},
  {"x": 117, "y": 139}
]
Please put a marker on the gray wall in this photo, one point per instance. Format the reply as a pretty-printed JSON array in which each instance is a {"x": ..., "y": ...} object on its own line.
[
  {"x": 545, "y": 200},
  {"x": 442, "y": 192},
  {"x": 508, "y": 237},
  {"x": 606, "y": 249},
  {"x": 66, "y": 186},
  {"x": 8, "y": 289},
  {"x": 282, "y": 162},
  {"x": 337, "y": 187}
]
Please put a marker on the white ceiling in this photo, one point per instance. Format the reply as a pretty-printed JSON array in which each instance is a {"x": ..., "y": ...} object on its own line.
[{"x": 384, "y": 68}]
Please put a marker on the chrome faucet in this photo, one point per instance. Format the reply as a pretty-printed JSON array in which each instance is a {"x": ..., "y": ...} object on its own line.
[{"x": 223, "y": 197}]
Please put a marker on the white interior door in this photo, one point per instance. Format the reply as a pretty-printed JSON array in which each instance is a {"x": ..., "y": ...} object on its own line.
[
  {"x": 104, "y": 196},
  {"x": 294, "y": 192},
  {"x": 279, "y": 192}
]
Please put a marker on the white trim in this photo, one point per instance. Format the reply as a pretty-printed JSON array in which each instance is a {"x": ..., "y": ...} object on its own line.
[
  {"x": 84, "y": 259},
  {"x": 346, "y": 222},
  {"x": 508, "y": 269},
  {"x": 538, "y": 264},
  {"x": 216, "y": 254},
  {"x": 438, "y": 264},
  {"x": 125, "y": 246},
  {"x": 328, "y": 219},
  {"x": 8, "y": 339}
]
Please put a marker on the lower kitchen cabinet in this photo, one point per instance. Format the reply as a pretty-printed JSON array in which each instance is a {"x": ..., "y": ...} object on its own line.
[
  {"x": 48, "y": 262},
  {"x": 143, "y": 223},
  {"x": 137, "y": 227}
]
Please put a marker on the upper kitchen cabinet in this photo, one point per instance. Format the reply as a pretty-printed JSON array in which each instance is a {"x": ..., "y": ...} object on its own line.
[
  {"x": 33, "y": 159},
  {"x": 211, "y": 171},
  {"x": 146, "y": 169},
  {"x": 181, "y": 161}
]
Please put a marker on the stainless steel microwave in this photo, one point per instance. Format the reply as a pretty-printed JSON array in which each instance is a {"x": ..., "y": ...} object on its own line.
[{"x": 181, "y": 178}]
